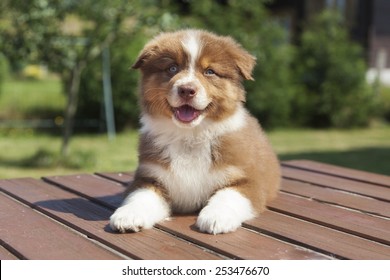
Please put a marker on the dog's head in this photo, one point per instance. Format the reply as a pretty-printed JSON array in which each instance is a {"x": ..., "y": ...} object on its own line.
[{"x": 191, "y": 75}]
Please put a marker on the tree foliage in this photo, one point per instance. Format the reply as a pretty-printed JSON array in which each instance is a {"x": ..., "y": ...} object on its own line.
[
  {"x": 123, "y": 80},
  {"x": 319, "y": 83},
  {"x": 3, "y": 70},
  {"x": 39, "y": 31},
  {"x": 331, "y": 70}
]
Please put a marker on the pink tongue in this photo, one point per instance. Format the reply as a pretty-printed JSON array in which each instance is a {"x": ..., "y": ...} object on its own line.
[{"x": 186, "y": 113}]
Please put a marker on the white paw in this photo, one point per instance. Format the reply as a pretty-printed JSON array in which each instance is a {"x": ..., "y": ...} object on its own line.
[
  {"x": 140, "y": 210},
  {"x": 225, "y": 212}
]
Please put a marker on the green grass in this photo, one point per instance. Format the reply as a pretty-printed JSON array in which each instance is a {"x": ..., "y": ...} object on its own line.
[
  {"x": 29, "y": 154},
  {"x": 31, "y": 99},
  {"x": 364, "y": 149}
]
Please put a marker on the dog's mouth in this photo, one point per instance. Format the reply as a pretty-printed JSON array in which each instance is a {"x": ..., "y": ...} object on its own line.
[{"x": 186, "y": 113}]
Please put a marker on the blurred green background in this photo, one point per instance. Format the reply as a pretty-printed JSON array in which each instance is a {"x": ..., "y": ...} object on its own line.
[{"x": 311, "y": 91}]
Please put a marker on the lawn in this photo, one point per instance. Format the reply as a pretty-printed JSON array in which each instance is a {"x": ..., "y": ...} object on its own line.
[
  {"x": 26, "y": 152},
  {"x": 365, "y": 149},
  {"x": 21, "y": 99},
  {"x": 35, "y": 154}
]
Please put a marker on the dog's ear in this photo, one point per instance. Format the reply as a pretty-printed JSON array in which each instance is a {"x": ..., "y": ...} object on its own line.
[
  {"x": 142, "y": 58},
  {"x": 146, "y": 54},
  {"x": 245, "y": 63}
]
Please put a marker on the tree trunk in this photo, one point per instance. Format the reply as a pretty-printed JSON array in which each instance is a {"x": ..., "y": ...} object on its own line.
[{"x": 72, "y": 86}]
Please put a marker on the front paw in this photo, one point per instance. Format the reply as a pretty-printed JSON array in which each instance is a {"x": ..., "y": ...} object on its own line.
[
  {"x": 215, "y": 221},
  {"x": 225, "y": 212},
  {"x": 129, "y": 218},
  {"x": 140, "y": 210}
]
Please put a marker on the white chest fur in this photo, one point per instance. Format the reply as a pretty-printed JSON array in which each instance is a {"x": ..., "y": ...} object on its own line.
[{"x": 191, "y": 178}]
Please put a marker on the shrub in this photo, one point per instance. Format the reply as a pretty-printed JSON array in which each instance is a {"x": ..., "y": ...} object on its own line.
[
  {"x": 3, "y": 70},
  {"x": 332, "y": 72},
  {"x": 124, "y": 85},
  {"x": 384, "y": 102},
  {"x": 270, "y": 95},
  {"x": 34, "y": 72}
]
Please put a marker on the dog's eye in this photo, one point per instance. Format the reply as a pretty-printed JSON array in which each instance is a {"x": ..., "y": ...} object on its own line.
[
  {"x": 209, "y": 72},
  {"x": 173, "y": 69}
]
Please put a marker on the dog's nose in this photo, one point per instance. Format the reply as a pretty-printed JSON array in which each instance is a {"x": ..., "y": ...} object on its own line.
[{"x": 187, "y": 91}]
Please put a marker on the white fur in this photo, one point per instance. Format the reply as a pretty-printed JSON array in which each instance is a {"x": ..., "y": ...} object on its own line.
[
  {"x": 141, "y": 209},
  {"x": 193, "y": 47},
  {"x": 190, "y": 181},
  {"x": 225, "y": 212}
]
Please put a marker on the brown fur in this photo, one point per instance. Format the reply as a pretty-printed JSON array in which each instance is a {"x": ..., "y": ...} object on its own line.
[{"x": 249, "y": 150}]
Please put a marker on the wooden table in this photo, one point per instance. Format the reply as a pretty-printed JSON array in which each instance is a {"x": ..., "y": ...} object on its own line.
[{"x": 322, "y": 212}]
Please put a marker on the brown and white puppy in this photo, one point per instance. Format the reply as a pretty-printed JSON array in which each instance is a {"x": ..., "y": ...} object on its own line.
[{"x": 199, "y": 147}]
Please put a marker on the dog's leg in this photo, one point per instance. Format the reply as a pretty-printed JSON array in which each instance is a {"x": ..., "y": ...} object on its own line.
[
  {"x": 140, "y": 210},
  {"x": 225, "y": 212}
]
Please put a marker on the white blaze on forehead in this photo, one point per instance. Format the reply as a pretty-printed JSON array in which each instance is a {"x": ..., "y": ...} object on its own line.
[{"x": 192, "y": 46}]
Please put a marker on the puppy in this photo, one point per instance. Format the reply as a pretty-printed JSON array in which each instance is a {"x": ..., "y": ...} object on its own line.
[{"x": 199, "y": 150}]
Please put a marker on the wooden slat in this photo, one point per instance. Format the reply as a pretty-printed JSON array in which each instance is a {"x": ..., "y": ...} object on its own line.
[
  {"x": 112, "y": 193},
  {"x": 361, "y": 188},
  {"x": 342, "y": 172},
  {"x": 242, "y": 244},
  {"x": 6, "y": 255},
  {"x": 124, "y": 178},
  {"x": 92, "y": 220},
  {"x": 321, "y": 238},
  {"x": 342, "y": 198},
  {"x": 356, "y": 223},
  {"x": 120, "y": 177},
  {"x": 34, "y": 236}
]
